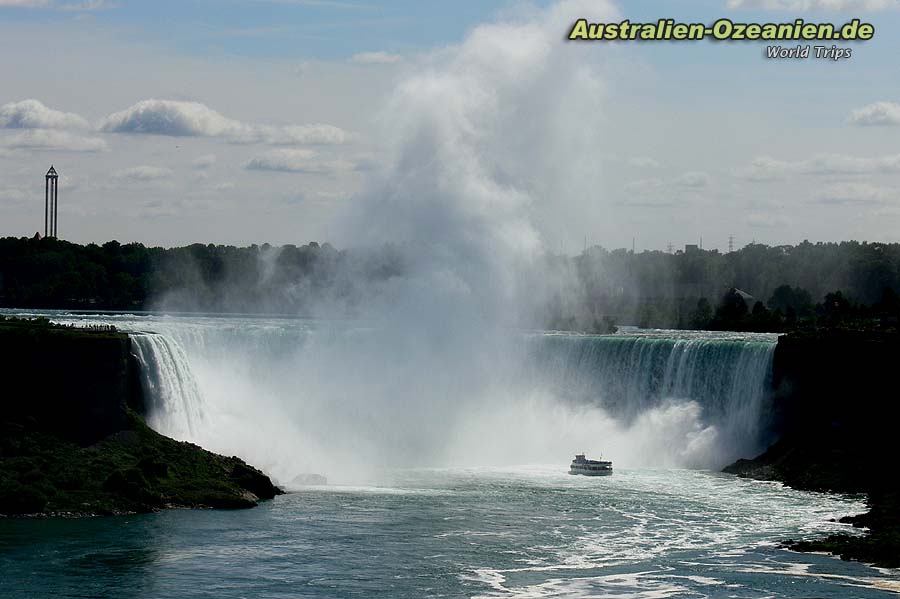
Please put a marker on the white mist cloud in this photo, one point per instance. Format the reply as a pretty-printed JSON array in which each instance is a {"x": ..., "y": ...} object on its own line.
[
  {"x": 193, "y": 119},
  {"x": 478, "y": 138},
  {"x": 798, "y": 5},
  {"x": 485, "y": 133},
  {"x": 879, "y": 113},
  {"x": 32, "y": 114},
  {"x": 375, "y": 58}
]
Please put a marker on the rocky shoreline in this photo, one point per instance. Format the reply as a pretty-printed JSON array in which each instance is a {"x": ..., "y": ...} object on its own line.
[{"x": 793, "y": 466}]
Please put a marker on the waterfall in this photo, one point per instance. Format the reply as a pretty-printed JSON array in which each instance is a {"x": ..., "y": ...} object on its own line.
[
  {"x": 175, "y": 402},
  {"x": 307, "y": 395},
  {"x": 727, "y": 376}
]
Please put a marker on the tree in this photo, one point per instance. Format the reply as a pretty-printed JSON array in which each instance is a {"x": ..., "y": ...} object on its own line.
[
  {"x": 786, "y": 297},
  {"x": 836, "y": 307},
  {"x": 733, "y": 307},
  {"x": 648, "y": 317},
  {"x": 889, "y": 304},
  {"x": 702, "y": 315}
]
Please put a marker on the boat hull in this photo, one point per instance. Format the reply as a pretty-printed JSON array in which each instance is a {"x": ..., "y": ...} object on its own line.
[{"x": 592, "y": 472}]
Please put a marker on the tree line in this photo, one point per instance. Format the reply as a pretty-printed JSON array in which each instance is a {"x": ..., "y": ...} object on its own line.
[
  {"x": 756, "y": 288},
  {"x": 759, "y": 287}
]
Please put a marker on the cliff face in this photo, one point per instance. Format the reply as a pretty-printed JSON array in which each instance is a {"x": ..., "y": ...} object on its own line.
[
  {"x": 834, "y": 412},
  {"x": 72, "y": 439},
  {"x": 73, "y": 383},
  {"x": 836, "y": 406}
]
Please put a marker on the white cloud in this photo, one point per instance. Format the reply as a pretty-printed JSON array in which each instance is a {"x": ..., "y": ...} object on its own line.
[
  {"x": 798, "y": 5},
  {"x": 689, "y": 180},
  {"x": 168, "y": 117},
  {"x": 303, "y": 68},
  {"x": 766, "y": 220},
  {"x": 142, "y": 173},
  {"x": 296, "y": 161},
  {"x": 665, "y": 192},
  {"x": 193, "y": 119},
  {"x": 49, "y": 139},
  {"x": 879, "y": 113},
  {"x": 204, "y": 162},
  {"x": 32, "y": 114},
  {"x": 25, "y": 3},
  {"x": 643, "y": 162},
  {"x": 375, "y": 58},
  {"x": 766, "y": 167},
  {"x": 317, "y": 134},
  {"x": 856, "y": 193},
  {"x": 12, "y": 197},
  {"x": 88, "y": 5},
  {"x": 694, "y": 179},
  {"x": 648, "y": 193}
]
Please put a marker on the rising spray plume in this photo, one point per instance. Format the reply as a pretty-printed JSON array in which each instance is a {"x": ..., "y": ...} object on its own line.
[{"x": 483, "y": 141}]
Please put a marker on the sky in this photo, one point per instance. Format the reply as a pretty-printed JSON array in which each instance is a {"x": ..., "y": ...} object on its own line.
[{"x": 266, "y": 121}]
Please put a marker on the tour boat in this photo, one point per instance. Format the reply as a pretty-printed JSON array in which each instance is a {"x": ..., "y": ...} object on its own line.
[{"x": 582, "y": 465}]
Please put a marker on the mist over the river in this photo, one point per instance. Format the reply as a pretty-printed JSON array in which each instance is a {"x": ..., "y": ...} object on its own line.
[{"x": 484, "y": 143}]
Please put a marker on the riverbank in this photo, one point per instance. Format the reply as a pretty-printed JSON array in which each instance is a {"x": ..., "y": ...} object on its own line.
[
  {"x": 836, "y": 421},
  {"x": 73, "y": 441},
  {"x": 820, "y": 469}
]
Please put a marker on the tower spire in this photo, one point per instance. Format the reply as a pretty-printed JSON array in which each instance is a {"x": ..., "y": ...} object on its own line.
[{"x": 51, "y": 203}]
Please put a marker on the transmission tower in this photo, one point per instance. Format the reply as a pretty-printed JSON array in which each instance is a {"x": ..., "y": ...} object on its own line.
[{"x": 730, "y": 243}]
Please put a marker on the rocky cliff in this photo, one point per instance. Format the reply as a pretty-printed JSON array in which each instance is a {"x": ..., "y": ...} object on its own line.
[
  {"x": 73, "y": 439},
  {"x": 835, "y": 412}
]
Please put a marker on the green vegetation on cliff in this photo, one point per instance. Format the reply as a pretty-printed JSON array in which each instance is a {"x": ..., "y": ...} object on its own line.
[
  {"x": 72, "y": 440},
  {"x": 132, "y": 470}
]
